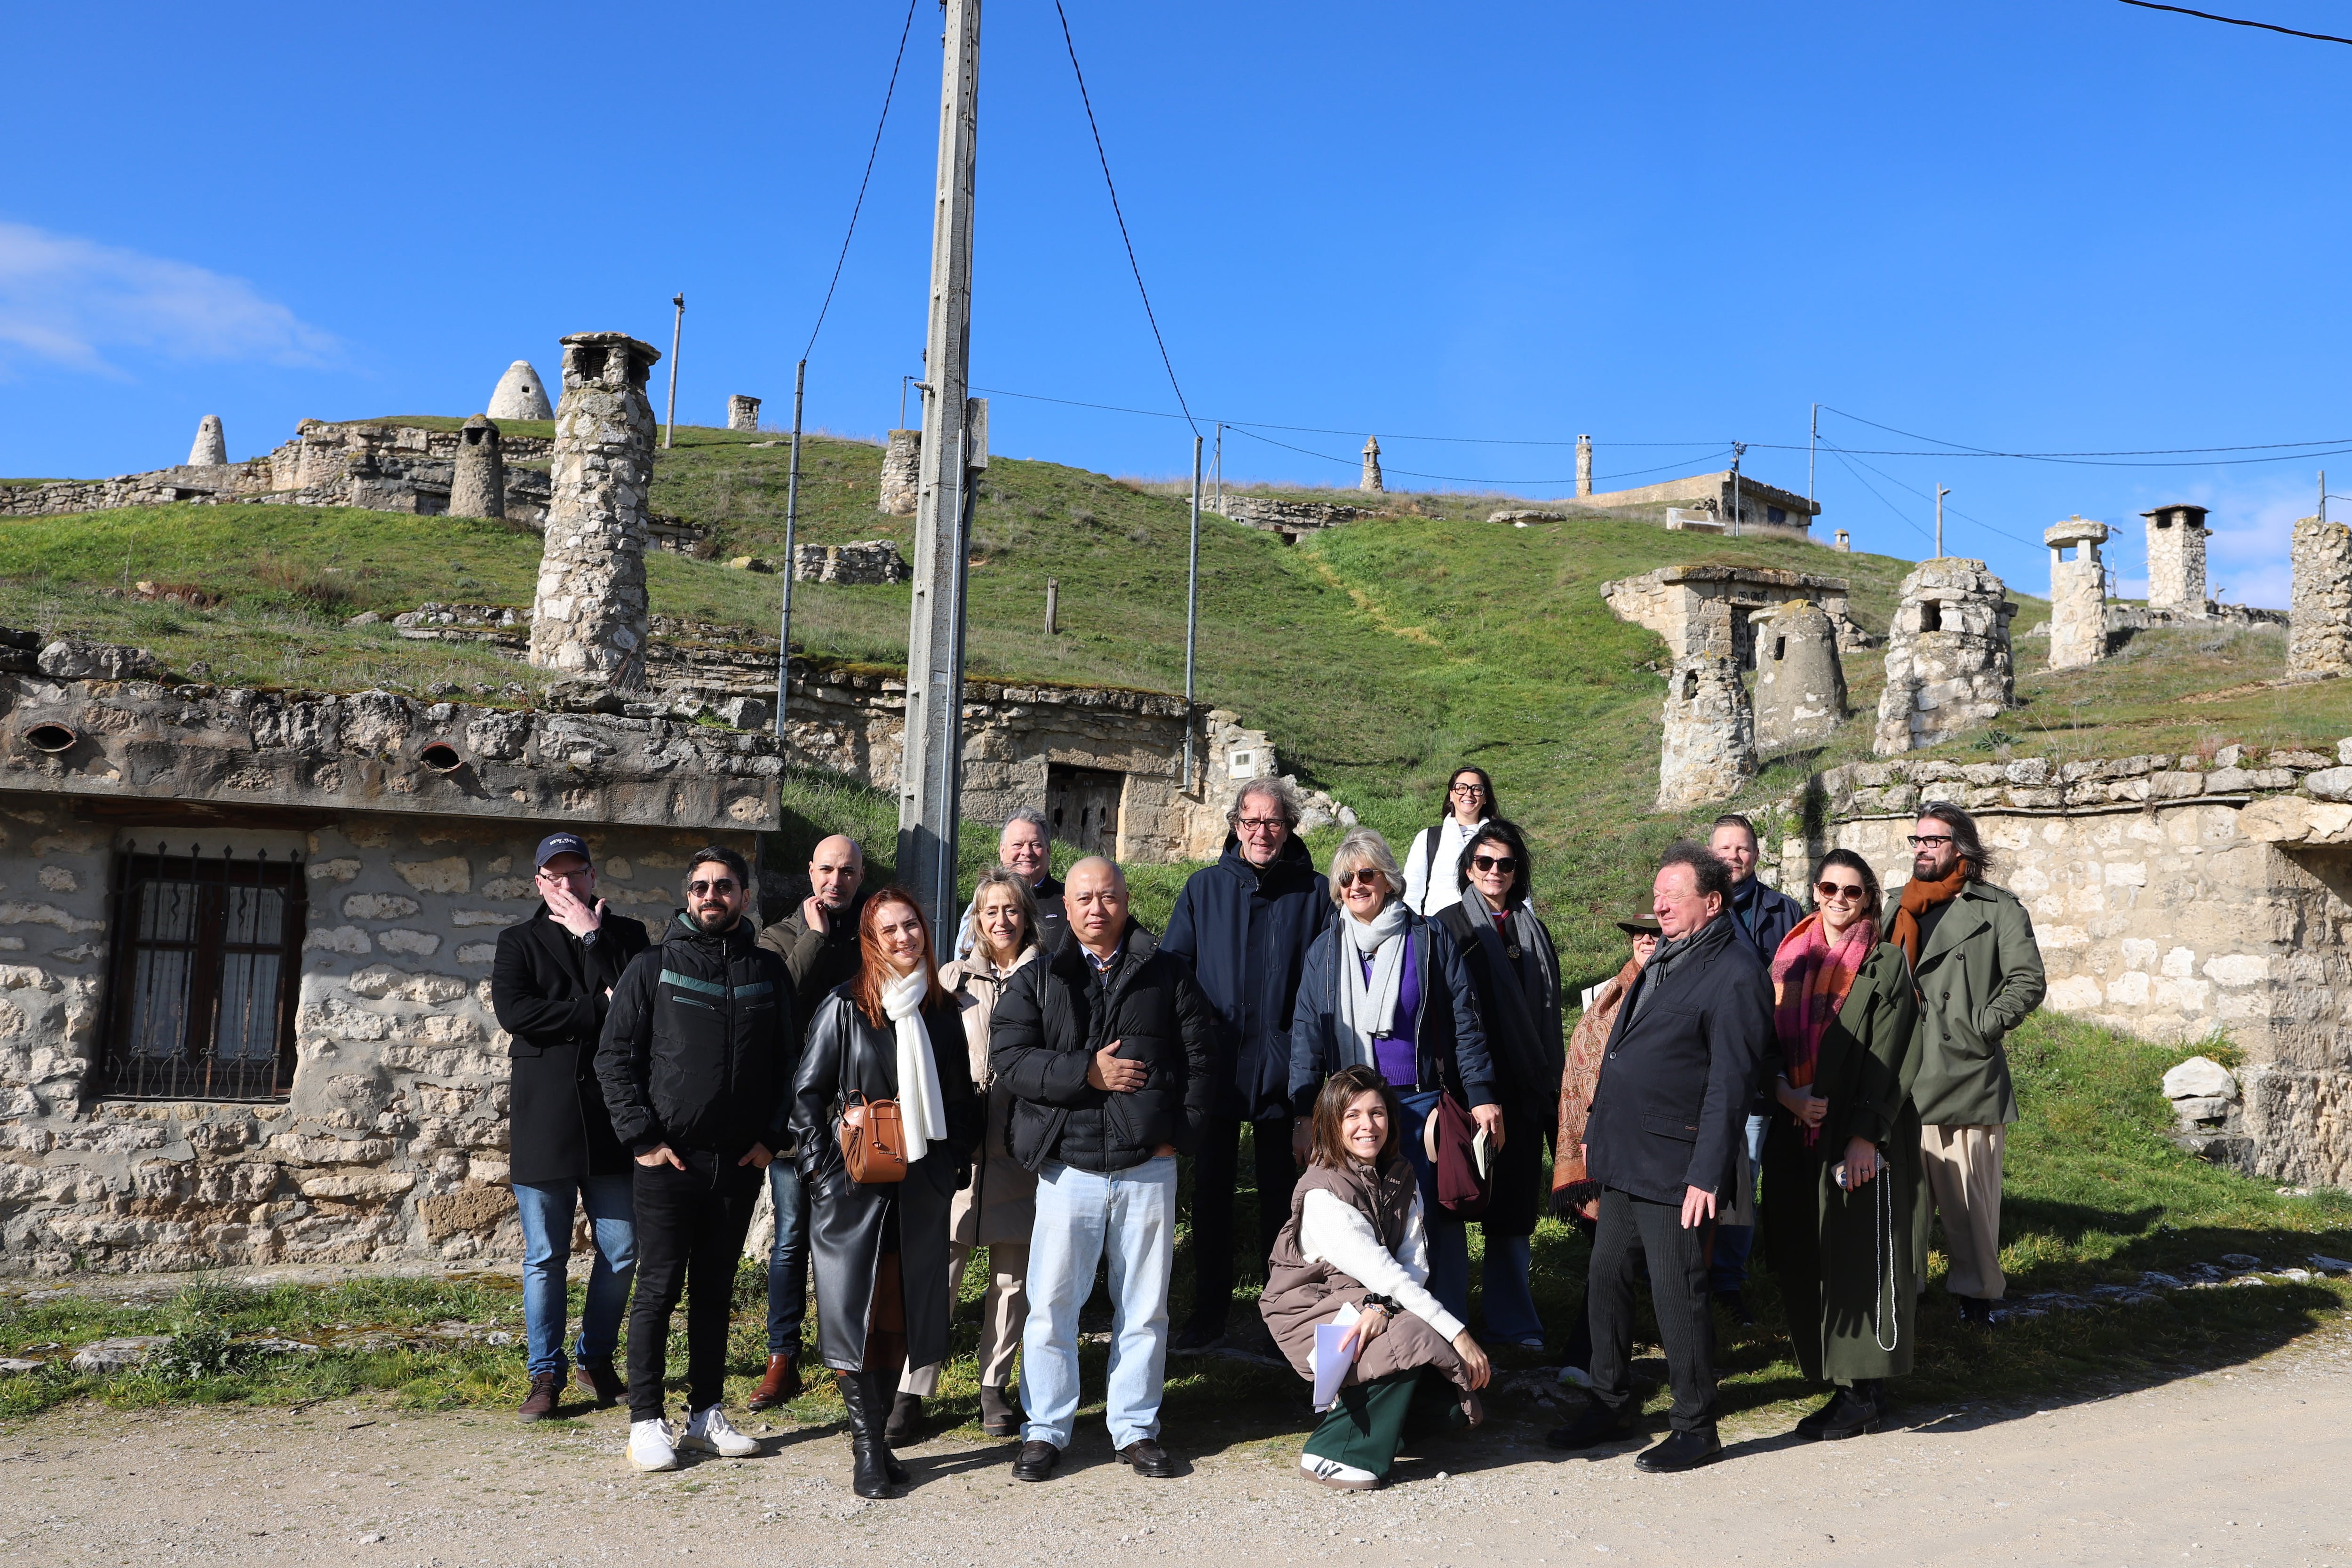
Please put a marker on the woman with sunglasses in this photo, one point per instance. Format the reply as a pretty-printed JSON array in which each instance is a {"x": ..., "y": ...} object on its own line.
[
  {"x": 880, "y": 1249},
  {"x": 1842, "y": 1191},
  {"x": 1386, "y": 989},
  {"x": 1515, "y": 976}
]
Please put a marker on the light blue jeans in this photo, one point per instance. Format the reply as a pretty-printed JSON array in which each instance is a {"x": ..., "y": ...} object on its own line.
[
  {"x": 1083, "y": 1217},
  {"x": 545, "y": 1209}
]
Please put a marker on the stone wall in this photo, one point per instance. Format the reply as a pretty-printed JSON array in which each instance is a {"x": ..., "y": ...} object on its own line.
[
  {"x": 2319, "y": 629},
  {"x": 1707, "y": 743},
  {"x": 868, "y": 562},
  {"x": 1948, "y": 667},
  {"x": 902, "y": 473},
  {"x": 588, "y": 619},
  {"x": 1288, "y": 517},
  {"x": 1759, "y": 505},
  {"x": 1800, "y": 682},
  {"x": 1676, "y": 602}
]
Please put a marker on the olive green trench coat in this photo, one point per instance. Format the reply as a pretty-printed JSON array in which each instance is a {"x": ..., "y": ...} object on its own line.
[{"x": 1979, "y": 976}]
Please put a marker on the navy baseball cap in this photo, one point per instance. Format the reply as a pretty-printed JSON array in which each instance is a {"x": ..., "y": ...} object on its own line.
[{"x": 556, "y": 844}]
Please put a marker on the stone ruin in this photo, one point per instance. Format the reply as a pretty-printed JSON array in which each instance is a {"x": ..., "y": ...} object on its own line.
[
  {"x": 902, "y": 473},
  {"x": 1584, "y": 464},
  {"x": 1372, "y": 476},
  {"x": 2319, "y": 625},
  {"x": 1709, "y": 749},
  {"x": 2176, "y": 559},
  {"x": 478, "y": 481},
  {"x": 742, "y": 411},
  {"x": 1948, "y": 668},
  {"x": 520, "y": 394},
  {"x": 1800, "y": 680},
  {"x": 868, "y": 562},
  {"x": 589, "y": 618},
  {"x": 1290, "y": 519},
  {"x": 1678, "y": 604},
  {"x": 2078, "y": 593},
  {"x": 211, "y": 450}
]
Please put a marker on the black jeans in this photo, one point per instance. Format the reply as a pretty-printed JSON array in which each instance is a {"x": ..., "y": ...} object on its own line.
[
  {"x": 690, "y": 1230},
  {"x": 1632, "y": 1229},
  {"x": 1216, "y": 1174}
]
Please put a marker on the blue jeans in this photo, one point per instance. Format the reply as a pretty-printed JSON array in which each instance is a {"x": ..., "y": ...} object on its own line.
[
  {"x": 1733, "y": 1242},
  {"x": 788, "y": 1259},
  {"x": 1083, "y": 1217},
  {"x": 1510, "y": 1296},
  {"x": 1449, "y": 1238},
  {"x": 545, "y": 1209}
]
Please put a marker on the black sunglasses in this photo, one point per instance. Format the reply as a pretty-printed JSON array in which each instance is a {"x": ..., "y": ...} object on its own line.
[
  {"x": 1832, "y": 890},
  {"x": 1494, "y": 862},
  {"x": 722, "y": 887}
]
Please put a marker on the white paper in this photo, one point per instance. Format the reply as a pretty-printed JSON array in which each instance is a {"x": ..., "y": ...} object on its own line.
[
  {"x": 1331, "y": 1366},
  {"x": 1482, "y": 1153}
]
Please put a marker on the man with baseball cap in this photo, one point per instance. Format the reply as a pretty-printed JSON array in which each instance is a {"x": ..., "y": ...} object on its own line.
[{"x": 550, "y": 984}]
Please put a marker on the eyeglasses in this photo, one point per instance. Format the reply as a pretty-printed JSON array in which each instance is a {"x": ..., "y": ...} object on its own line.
[
  {"x": 1364, "y": 874},
  {"x": 720, "y": 889},
  {"x": 1259, "y": 824},
  {"x": 1466, "y": 789},
  {"x": 1921, "y": 841},
  {"x": 1504, "y": 863},
  {"x": 553, "y": 875},
  {"x": 1832, "y": 890}
]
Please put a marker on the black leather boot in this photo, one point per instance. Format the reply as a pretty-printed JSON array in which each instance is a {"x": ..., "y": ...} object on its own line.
[
  {"x": 871, "y": 1477},
  {"x": 882, "y": 1389}
]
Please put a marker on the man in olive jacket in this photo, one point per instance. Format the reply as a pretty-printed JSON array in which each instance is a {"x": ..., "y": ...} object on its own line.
[{"x": 1979, "y": 974}]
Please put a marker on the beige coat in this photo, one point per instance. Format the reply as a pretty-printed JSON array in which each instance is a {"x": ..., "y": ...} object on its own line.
[{"x": 1001, "y": 1204}]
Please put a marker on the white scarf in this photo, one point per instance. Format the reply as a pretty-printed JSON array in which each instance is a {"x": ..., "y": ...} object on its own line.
[
  {"x": 920, "y": 1109},
  {"x": 1368, "y": 1007}
]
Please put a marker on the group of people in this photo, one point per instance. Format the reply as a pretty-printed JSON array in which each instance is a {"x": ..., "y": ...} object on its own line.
[{"x": 1386, "y": 1042}]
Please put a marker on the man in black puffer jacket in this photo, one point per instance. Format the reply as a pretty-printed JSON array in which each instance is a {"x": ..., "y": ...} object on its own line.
[
  {"x": 696, "y": 1063},
  {"x": 1110, "y": 1051}
]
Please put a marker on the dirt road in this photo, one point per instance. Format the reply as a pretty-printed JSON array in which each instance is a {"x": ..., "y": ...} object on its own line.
[{"x": 2248, "y": 1466}]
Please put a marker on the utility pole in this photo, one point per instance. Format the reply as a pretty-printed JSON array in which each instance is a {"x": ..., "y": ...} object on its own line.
[
  {"x": 1940, "y": 493},
  {"x": 1811, "y": 443},
  {"x": 1738, "y": 451},
  {"x": 677, "y": 331},
  {"x": 1218, "y": 469},
  {"x": 1191, "y": 612},
  {"x": 929, "y": 770},
  {"x": 2322, "y": 495},
  {"x": 792, "y": 553}
]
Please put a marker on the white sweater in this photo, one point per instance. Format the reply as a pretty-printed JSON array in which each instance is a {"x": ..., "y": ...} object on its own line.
[
  {"x": 1442, "y": 887},
  {"x": 1333, "y": 1231}
]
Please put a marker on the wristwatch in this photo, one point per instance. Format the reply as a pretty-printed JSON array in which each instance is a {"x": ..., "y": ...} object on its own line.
[
  {"x": 1385, "y": 1303},
  {"x": 588, "y": 937}
]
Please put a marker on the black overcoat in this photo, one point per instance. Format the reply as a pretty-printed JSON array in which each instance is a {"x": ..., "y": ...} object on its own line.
[
  {"x": 548, "y": 993},
  {"x": 1244, "y": 931},
  {"x": 1515, "y": 979}
]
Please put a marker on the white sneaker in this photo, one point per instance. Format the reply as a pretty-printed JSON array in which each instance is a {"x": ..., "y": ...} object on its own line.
[
  {"x": 1331, "y": 1473},
  {"x": 649, "y": 1445},
  {"x": 708, "y": 1430},
  {"x": 1575, "y": 1377}
]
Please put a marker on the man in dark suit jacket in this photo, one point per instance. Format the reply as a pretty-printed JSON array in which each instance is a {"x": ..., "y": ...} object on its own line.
[
  {"x": 1661, "y": 1138},
  {"x": 550, "y": 986}
]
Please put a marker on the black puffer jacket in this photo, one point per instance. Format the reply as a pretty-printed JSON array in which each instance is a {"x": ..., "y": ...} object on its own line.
[
  {"x": 700, "y": 1043},
  {"x": 1053, "y": 1019}
]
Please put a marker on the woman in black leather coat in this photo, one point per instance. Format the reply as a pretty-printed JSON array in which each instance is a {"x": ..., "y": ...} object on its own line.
[{"x": 880, "y": 1249}]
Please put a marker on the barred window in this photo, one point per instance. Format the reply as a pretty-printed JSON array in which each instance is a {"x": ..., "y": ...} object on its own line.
[{"x": 207, "y": 964}]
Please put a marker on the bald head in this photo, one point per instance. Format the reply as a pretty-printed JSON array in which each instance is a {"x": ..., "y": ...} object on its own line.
[
  {"x": 835, "y": 869},
  {"x": 1094, "y": 896}
]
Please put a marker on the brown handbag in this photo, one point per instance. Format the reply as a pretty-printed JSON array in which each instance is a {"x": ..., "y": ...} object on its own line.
[{"x": 873, "y": 1141}]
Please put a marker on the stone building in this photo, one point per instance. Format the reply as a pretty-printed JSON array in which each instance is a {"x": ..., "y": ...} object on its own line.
[
  {"x": 1707, "y": 750},
  {"x": 477, "y": 480},
  {"x": 1800, "y": 680},
  {"x": 211, "y": 450},
  {"x": 1756, "y": 505},
  {"x": 520, "y": 394},
  {"x": 2078, "y": 593},
  {"x": 1371, "y": 480},
  {"x": 1948, "y": 656},
  {"x": 2176, "y": 559},
  {"x": 589, "y": 617},
  {"x": 902, "y": 473},
  {"x": 742, "y": 411},
  {"x": 1678, "y": 604},
  {"x": 2319, "y": 627}
]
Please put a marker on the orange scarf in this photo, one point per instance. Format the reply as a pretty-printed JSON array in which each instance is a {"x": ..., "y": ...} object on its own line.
[{"x": 1918, "y": 897}]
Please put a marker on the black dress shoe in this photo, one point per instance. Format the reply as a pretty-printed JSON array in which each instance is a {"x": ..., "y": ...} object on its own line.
[
  {"x": 1200, "y": 1334},
  {"x": 1812, "y": 1425},
  {"x": 1979, "y": 1311},
  {"x": 1036, "y": 1461},
  {"x": 1856, "y": 1411},
  {"x": 1736, "y": 1303},
  {"x": 1149, "y": 1459},
  {"x": 1599, "y": 1424},
  {"x": 1680, "y": 1451}
]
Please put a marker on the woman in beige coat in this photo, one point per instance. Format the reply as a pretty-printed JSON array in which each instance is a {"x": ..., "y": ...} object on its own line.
[{"x": 998, "y": 1208}]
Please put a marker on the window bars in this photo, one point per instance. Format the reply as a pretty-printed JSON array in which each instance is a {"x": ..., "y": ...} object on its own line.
[{"x": 206, "y": 969}]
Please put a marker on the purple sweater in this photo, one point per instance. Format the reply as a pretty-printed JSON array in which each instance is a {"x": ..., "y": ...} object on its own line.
[{"x": 1394, "y": 1054}]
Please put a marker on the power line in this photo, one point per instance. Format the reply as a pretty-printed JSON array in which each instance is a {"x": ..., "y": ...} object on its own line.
[
  {"x": 1464, "y": 479},
  {"x": 1070, "y": 43},
  {"x": 1956, "y": 511},
  {"x": 887, "y": 93},
  {"x": 1958, "y": 449},
  {"x": 2238, "y": 22}
]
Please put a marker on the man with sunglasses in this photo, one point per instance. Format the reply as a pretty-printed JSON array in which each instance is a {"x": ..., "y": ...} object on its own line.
[
  {"x": 1978, "y": 970},
  {"x": 551, "y": 982},
  {"x": 1762, "y": 917},
  {"x": 696, "y": 1063}
]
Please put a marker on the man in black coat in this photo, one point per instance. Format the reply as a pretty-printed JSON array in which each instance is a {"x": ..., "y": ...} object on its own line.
[
  {"x": 1661, "y": 1139},
  {"x": 696, "y": 1063},
  {"x": 549, "y": 984},
  {"x": 1109, "y": 1052},
  {"x": 1244, "y": 925}
]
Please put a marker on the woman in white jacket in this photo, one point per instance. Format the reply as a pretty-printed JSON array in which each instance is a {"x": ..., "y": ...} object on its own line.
[{"x": 1432, "y": 867}]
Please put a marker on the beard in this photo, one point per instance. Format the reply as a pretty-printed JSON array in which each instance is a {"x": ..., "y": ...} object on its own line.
[{"x": 714, "y": 918}]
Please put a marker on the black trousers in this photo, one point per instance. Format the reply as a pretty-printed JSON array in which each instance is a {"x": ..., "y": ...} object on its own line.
[
  {"x": 1632, "y": 1231},
  {"x": 690, "y": 1230},
  {"x": 1216, "y": 1175}
]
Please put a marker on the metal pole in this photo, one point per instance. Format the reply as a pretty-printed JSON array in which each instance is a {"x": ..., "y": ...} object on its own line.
[
  {"x": 1811, "y": 443},
  {"x": 677, "y": 331},
  {"x": 2322, "y": 495},
  {"x": 1940, "y": 493},
  {"x": 1219, "y": 506},
  {"x": 792, "y": 554},
  {"x": 902, "y": 400},
  {"x": 1738, "y": 451},
  {"x": 928, "y": 771},
  {"x": 1191, "y": 610}
]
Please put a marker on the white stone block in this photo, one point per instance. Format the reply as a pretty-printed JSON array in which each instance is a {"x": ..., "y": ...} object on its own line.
[
  {"x": 450, "y": 874},
  {"x": 415, "y": 943},
  {"x": 378, "y": 907},
  {"x": 338, "y": 939},
  {"x": 2180, "y": 964},
  {"x": 2138, "y": 952},
  {"x": 2199, "y": 1077},
  {"x": 2238, "y": 968},
  {"x": 2128, "y": 990},
  {"x": 2075, "y": 993},
  {"x": 2125, "y": 874}
]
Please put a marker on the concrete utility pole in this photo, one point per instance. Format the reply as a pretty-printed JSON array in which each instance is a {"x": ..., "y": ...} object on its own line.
[
  {"x": 1813, "y": 443},
  {"x": 1940, "y": 493},
  {"x": 792, "y": 553},
  {"x": 1192, "y": 610},
  {"x": 929, "y": 772},
  {"x": 677, "y": 331},
  {"x": 1738, "y": 451}
]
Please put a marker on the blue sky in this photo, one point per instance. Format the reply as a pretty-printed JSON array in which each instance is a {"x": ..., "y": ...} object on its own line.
[{"x": 2068, "y": 227}]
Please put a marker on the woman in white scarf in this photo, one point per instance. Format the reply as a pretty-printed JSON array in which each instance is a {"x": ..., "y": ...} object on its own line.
[{"x": 879, "y": 1250}]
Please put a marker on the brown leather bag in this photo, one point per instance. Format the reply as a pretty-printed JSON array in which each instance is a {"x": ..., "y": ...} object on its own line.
[{"x": 873, "y": 1141}]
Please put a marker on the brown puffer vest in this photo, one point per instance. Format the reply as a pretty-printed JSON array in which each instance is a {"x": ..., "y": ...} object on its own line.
[{"x": 1299, "y": 1294}]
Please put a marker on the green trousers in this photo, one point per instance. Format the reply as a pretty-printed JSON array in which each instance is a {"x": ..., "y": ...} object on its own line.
[{"x": 1369, "y": 1423}]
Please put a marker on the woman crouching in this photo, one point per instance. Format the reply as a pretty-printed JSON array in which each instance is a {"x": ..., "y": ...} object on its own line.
[{"x": 1356, "y": 1237}]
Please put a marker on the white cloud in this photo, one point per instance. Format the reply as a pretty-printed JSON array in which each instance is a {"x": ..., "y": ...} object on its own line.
[{"x": 72, "y": 301}]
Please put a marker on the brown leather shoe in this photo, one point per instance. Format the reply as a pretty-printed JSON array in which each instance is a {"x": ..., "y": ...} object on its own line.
[
  {"x": 782, "y": 1384},
  {"x": 601, "y": 1382},
  {"x": 540, "y": 1404}
]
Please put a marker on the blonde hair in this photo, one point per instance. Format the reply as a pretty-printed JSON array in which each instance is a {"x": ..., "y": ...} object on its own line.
[
  {"x": 1364, "y": 846},
  {"x": 1024, "y": 898}
]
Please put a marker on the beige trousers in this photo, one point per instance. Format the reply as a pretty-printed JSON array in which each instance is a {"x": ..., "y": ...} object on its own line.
[
  {"x": 1002, "y": 1314},
  {"x": 1962, "y": 1165}
]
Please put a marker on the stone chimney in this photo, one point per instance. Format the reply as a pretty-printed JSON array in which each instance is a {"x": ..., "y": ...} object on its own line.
[
  {"x": 1948, "y": 656},
  {"x": 2078, "y": 593},
  {"x": 1707, "y": 750},
  {"x": 1584, "y": 464},
  {"x": 1800, "y": 680},
  {"x": 520, "y": 394},
  {"x": 902, "y": 473},
  {"x": 2176, "y": 559},
  {"x": 1371, "y": 481},
  {"x": 478, "y": 488},
  {"x": 589, "y": 619},
  {"x": 742, "y": 411},
  {"x": 2319, "y": 616},
  {"x": 211, "y": 450}
]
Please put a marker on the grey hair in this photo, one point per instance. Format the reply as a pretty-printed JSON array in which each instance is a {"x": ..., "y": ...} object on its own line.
[
  {"x": 1033, "y": 816},
  {"x": 1276, "y": 789},
  {"x": 1365, "y": 846}
]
